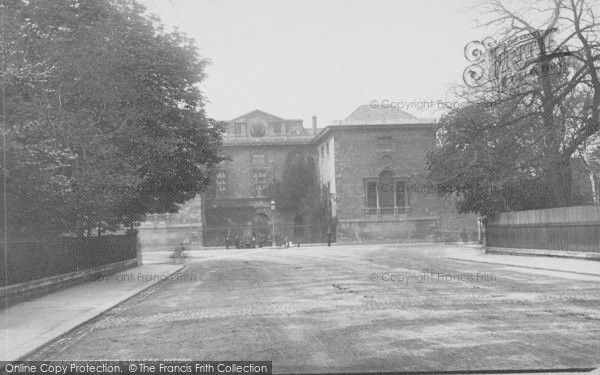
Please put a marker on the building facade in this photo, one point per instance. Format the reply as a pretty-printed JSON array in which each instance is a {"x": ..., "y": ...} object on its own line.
[
  {"x": 369, "y": 171},
  {"x": 237, "y": 205}
]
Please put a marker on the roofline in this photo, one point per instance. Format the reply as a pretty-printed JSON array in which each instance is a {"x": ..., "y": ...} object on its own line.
[
  {"x": 256, "y": 110},
  {"x": 331, "y": 128},
  {"x": 287, "y": 142},
  {"x": 366, "y": 105}
]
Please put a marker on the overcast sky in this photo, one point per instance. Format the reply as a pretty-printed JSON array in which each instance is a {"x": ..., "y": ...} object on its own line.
[{"x": 296, "y": 59}]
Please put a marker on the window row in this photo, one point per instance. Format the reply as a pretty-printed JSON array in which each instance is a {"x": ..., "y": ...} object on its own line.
[
  {"x": 258, "y": 180},
  {"x": 239, "y": 129},
  {"x": 386, "y": 195}
]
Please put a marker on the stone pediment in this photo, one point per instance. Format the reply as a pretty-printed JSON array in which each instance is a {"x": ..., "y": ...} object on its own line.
[{"x": 257, "y": 116}]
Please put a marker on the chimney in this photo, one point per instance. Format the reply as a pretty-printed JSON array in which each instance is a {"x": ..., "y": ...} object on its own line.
[{"x": 314, "y": 118}]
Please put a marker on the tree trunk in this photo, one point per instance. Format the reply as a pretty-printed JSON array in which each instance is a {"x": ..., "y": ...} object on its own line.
[
  {"x": 595, "y": 188},
  {"x": 560, "y": 180}
]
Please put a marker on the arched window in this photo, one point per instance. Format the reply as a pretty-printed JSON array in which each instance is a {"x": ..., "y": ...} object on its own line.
[{"x": 386, "y": 161}]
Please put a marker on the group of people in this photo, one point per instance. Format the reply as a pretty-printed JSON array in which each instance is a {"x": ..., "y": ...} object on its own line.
[{"x": 253, "y": 241}]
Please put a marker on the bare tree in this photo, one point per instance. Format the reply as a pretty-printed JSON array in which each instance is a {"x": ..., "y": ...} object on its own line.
[
  {"x": 559, "y": 87},
  {"x": 589, "y": 153}
]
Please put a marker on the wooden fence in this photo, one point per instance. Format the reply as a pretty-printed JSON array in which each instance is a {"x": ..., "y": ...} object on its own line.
[{"x": 566, "y": 231}]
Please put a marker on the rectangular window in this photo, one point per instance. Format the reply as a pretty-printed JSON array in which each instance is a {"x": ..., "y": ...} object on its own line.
[
  {"x": 221, "y": 184},
  {"x": 237, "y": 129},
  {"x": 277, "y": 129},
  {"x": 259, "y": 158},
  {"x": 371, "y": 197},
  {"x": 327, "y": 148},
  {"x": 385, "y": 144},
  {"x": 259, "y": 182},
  {"x": 401, "y": 197}
]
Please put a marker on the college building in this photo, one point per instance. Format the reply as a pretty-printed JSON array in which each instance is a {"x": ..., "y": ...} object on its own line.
[{"x": 369, "y": 174}]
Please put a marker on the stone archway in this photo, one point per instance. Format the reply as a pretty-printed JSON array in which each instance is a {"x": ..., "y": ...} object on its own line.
[{"x": 260, "y": 228}]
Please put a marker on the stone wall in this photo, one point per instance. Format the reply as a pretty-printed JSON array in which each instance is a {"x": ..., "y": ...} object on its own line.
[
  {"x": 358, "y": 157},
  {"x": 239, "y": 169}
]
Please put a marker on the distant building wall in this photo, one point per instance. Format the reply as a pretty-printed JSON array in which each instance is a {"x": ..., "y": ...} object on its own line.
[{"x": 164, "y": 232}]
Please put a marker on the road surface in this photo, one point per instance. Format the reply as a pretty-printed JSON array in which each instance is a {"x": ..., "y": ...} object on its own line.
[{"x": 350, "y": 309}]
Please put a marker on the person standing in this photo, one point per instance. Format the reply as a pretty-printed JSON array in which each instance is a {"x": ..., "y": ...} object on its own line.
[{"x": 328, "y": 237}]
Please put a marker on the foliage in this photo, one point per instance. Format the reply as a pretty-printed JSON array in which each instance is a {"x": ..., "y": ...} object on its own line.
[
  {"x": 517, "y": 140},
  {"x": 104, "y": 117},
  {"x": 298, "y": 189}
]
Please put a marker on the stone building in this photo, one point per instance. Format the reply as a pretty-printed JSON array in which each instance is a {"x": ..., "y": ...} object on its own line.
[
  {"x": 374, "y": 163},
  {"x": 237, "y": 205},
  {"x": 370, "y": 169},
  {"x": 162, "y": 232}
]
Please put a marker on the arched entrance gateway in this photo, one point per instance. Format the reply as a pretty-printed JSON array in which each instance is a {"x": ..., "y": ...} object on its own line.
[
  {"x": 298, "y": 228},
  {"x": 260, "y": 229}
]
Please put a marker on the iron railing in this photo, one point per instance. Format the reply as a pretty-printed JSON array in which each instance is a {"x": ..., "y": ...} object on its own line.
[
  {"x": 383, "y": 211},
  {"x": 242, "y": 236},
  {"x": 32, "y": 260}
]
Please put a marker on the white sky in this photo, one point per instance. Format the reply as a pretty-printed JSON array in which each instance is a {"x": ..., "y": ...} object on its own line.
[{"x": 296, "y": 59}]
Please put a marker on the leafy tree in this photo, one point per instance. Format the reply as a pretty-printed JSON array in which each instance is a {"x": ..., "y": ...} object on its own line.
[
  {"x": 491, "y": 167},
  {"x": 104, "y": 117},
  {"x": 521, "y": 144},
  {"x": 298, "y": 189}
]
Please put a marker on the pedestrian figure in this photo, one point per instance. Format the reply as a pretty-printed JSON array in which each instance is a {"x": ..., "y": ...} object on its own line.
[
  {"x": 227, "y": 242},
  {"x": 253, "y": 241},
  {"x": 328, "y": 237},
  {"x": 286, "y": 241},
  {"x": 464, "y": 236},
  {"x": 237, "y": 242}
]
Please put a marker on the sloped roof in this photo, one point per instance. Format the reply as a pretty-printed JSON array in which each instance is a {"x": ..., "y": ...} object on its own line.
[
  {"x": 256, "y": 111},
  {"x": 366, "y": 114}
]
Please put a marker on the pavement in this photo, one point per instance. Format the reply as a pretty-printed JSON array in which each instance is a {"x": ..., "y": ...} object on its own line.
[
  {"x": 546, "y": 263},
  {"x": 27, "y": 326}
]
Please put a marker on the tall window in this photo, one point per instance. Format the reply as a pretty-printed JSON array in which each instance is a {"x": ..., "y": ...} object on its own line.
[
  {"x": 401, "y": 197},
  {"x": 371, "y": 197},
  {"x": 277, "y": 128},
  {"x": 259, "y": 179},
  {"x": 221, "y": 184},
  {"x": 386, "y": 193}
]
